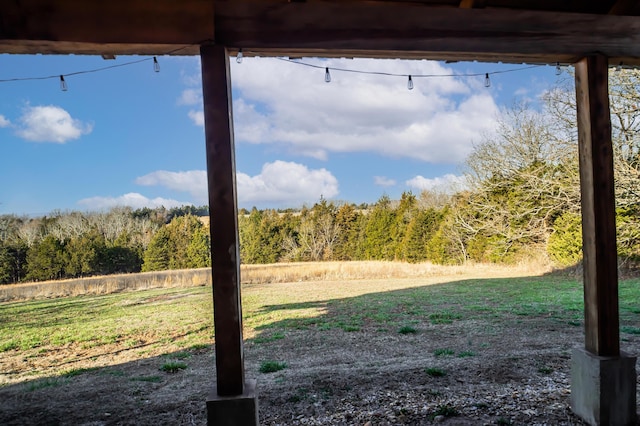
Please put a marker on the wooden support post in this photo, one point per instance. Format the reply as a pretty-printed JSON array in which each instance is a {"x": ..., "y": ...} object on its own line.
[
  {"x": 221, "y": 174},
  {"x": 598, "y": 207}
]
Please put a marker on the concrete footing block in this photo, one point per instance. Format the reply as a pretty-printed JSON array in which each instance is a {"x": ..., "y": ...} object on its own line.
[
  {"x": 603, "y": 389},
  {"x": 240, "y": 410}
]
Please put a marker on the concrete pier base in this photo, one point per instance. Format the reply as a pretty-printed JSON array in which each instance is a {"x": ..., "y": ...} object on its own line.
[
  {"x": 233, "y": 410},
  {"x": 603, "y": 389}
]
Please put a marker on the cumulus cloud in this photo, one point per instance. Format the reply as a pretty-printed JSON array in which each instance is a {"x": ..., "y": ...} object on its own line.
[
  {"x": 131, "y": 199},
  {"x": 193, "y": 181},
  {"x": 197, "y": 117},
  {"x": 50, "y": 124},
  {"x": 278, "y": 183},
  {"x": 284, "y": 182},
  {"x": 290, "y": 106},
  {"x": 4, "y": 122},
  {"x": 190, "y": 97},
  {"x": 383, "y": 181},
  {"x": 448, "y": 183}
]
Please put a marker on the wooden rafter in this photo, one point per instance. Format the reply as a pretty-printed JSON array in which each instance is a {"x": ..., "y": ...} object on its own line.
[
  {"x": 472, "y": 4},
  {"x": 316, "y": 28},
  {"x": 625, "y": 7}
]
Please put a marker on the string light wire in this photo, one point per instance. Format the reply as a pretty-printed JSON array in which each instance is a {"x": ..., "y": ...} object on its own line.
[
  {"x": 93, "y": 70},
  {"x": 289, "y": 60},
  {"x": 404, "y": 75}
]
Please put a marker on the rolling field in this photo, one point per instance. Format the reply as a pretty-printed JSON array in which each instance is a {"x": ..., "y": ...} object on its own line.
[{"x": 468, "y": 345}]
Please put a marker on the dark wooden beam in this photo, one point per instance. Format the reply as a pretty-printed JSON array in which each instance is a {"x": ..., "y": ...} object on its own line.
[
  {"x": 625, "y": 7},
  {"x": 372, "y": 26},
  {"x": 472, "y": 4},
  {"x": 79, "y": 26},
  {"x": 598, "y": 207},
  {"x": 221, "y": 173},
  {"x": 316, "y": 28}
]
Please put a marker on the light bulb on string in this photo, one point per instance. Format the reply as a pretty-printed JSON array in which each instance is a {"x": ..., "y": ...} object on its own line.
[
  {"x": 327, "y": 75},
  {"x": 558, "y": 69},
  {"x": 410, "y": 83},
  {"x": 156, "y": 65},
  {"x": 63, "y": 84},
  {"x": 239, "y": 57},
  {"x": 487, "y": 81}
]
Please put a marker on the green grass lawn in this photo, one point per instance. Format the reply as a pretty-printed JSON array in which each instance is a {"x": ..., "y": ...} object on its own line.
[{"x": 166, "y": 320}]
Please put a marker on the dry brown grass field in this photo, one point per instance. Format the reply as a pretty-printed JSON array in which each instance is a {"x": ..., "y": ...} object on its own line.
[{"x": 328, "y": 343}]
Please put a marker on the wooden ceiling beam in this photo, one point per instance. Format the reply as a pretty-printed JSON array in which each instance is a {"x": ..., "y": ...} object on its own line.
[
  {"x": 315, "y": 28},
  {"x": 625, "y": 7},
  {"x": 121, "y": 26},
  {"x": 472, "y": 4}
]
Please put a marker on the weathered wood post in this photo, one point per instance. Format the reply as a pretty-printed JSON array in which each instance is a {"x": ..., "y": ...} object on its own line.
[
  {"x": 603, "y": 381},
  {"x": 233, "y": 400}
]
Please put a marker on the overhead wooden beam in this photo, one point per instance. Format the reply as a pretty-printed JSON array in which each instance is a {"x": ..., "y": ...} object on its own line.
[
  {"x": 625, "y": 7},
  {"x": 109, "y": 26},
  {"x": 400, "y": 26},
  {"x": 315, "y": 28},
  {"x": 598, "y": 207},
  {"x": 221, "y": 175},
  {"x": 472, "y": 4}
]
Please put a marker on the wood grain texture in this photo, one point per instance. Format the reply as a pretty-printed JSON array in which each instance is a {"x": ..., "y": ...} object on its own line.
[
  {"x": 433, "y": 30},
  {"x": 221, "y": 176},
  {"x": 598, "y": 207}
]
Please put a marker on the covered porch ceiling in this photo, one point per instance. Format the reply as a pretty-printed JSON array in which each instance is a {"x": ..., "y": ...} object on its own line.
[{"x": 532, "y": 31}]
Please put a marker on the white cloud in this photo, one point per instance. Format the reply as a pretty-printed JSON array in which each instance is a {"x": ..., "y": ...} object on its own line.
[
  {"x": 278, "y": 183},
  {"x": 50, "y": 124},
  {"x": 288, "y": 183},
  {"x": 4, "y": 122},
  {"x": 190, "y": 97},
  {"x": 448, "y": 183},
  {"x": 131, "y": 199},
  {"x": 383, "y": 181},
  {"x": 197, "y": 117},
  {"x": 290, "y": 106},
  {"x": 193, "y": 181}
]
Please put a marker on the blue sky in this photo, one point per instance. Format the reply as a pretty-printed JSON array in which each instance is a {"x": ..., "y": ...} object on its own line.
[{"x": 130, "y": 136}]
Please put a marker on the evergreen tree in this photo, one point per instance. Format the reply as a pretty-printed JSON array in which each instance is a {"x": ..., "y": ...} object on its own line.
[{"x": 46, "y": 260}]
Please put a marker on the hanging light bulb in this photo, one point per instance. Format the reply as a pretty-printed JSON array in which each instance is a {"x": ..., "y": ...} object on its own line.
[
  {"x": 156, "y": 65},
  {"x": 239, "y": 57},
  {"x": 487, "y": 81},
  {"x": 410, "y": 83},
  {"x": 558, "y": 69},
  {"x": 63, "y": 84},
  {"x": 327, "y": 75}
]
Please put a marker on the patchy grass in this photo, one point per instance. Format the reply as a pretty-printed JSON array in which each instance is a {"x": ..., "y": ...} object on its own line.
[
  {"x": 444, "y": 352},
  {"x": 173, "y": 367},
  {"x": 272, "y": 366},
  {"x": 407, "y": 329},
  {"x": 178, "y": 321},
  {"x": 435, "y": 372}
]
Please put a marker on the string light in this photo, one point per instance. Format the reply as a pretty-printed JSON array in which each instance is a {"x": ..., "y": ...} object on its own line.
[
  {"x": 558, "y": 69},
  {"x": 239, "y": 58}
]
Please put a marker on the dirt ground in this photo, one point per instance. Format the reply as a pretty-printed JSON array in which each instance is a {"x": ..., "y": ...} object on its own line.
[{"x": 494, "y": 373}]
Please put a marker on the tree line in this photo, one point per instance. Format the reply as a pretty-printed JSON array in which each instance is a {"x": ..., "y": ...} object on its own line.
[
  {"x": 521, "y": 200},
  {"x": 122, "y": 240}
]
